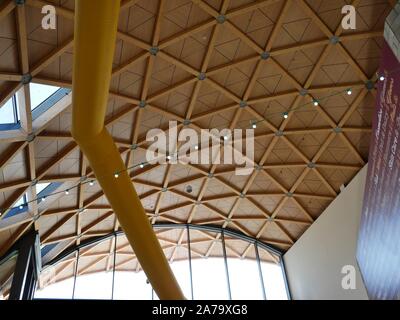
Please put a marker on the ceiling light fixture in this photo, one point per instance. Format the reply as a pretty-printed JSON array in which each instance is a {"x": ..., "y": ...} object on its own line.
[{"x": 286, "y": 115}]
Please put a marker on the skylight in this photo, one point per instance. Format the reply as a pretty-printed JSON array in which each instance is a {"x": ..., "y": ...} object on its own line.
[
  {"x": 43, "y": 97},
  {"x": 21, "y": 201},
  {"x": 41, "y": 186},
  {"x": 8, "y": 112},
  {"x": 40, "y": 92},
  {"x": 42, "y": 190}
]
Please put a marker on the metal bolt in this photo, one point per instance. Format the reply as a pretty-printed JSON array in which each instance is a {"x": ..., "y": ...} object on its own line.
[
  {"x": 265, "y": 55},
  {"x": 221, "y": 19},
  {"x": 142, "y": 104},
  {"x": 303, "y": 92},
  {"x": 334, "y": 40},
  {"x": 311, "y": 165},
  {"x": 337, "y": 130},
  {"x": 30, "y": 137},
  {"x": 369, "y": 85},
  {"x": 26, "y": 78},
  {"x": 243, "y": 104},
  {"x": 201, "y": 76},
  {"x": 154, "y": 50}
]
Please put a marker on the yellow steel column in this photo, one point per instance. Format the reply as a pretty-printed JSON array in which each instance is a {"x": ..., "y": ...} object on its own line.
[{"x": 94, "y": 45}]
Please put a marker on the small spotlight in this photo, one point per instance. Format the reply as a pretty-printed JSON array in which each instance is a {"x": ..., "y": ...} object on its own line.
[
  {"x": 349, "y": 92},
  {"x": 226, "y": 138},
  {"x": 315, "y": 103},
  {"x": 67, "y": 192},
  {"x": 116, "y": 175},
  {"x": 286, "y": 115},
  {"x": 168, "y": 157},
  {"x": 254, "y": 124},
  {"x": 196, "y": 147},
  {"x": 91, "y": 183},
  {"x": 43, "y": 199},
  {"x": 381, "y": 78},
  {"x": 189, "y": 189},
  {"x": 141, "y": 165},
  {"x": 21, "y": 207}
]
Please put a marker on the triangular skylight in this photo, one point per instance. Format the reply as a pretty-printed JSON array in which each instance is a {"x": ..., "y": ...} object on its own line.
[
  {"x": 21, "y": 201},
  {"x": 41, "y": 186},
  {"x": 40, "y": 93},
  {"x": 8, "y": 112},
  {"x": 40, "y": 103}
]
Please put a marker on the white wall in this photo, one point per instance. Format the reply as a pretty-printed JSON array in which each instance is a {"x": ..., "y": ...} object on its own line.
[{"x": 315, "y": 261}]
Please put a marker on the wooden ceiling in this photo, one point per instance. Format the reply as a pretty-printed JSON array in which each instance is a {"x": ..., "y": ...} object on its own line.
[{"x": 219, "y": 64}]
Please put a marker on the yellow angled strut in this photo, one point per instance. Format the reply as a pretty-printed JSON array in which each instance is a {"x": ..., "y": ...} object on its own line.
[{"x": 94, "y": 44}]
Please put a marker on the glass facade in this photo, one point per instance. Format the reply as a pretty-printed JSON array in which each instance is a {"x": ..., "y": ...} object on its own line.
[{"x": 223, "y": 267}]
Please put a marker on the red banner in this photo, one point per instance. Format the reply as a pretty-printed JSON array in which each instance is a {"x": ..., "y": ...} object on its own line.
[{"x": 378, "y": 250}]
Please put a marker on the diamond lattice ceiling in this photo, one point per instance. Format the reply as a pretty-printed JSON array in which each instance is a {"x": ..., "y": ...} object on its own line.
[{"x": 201, "y": 61}]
